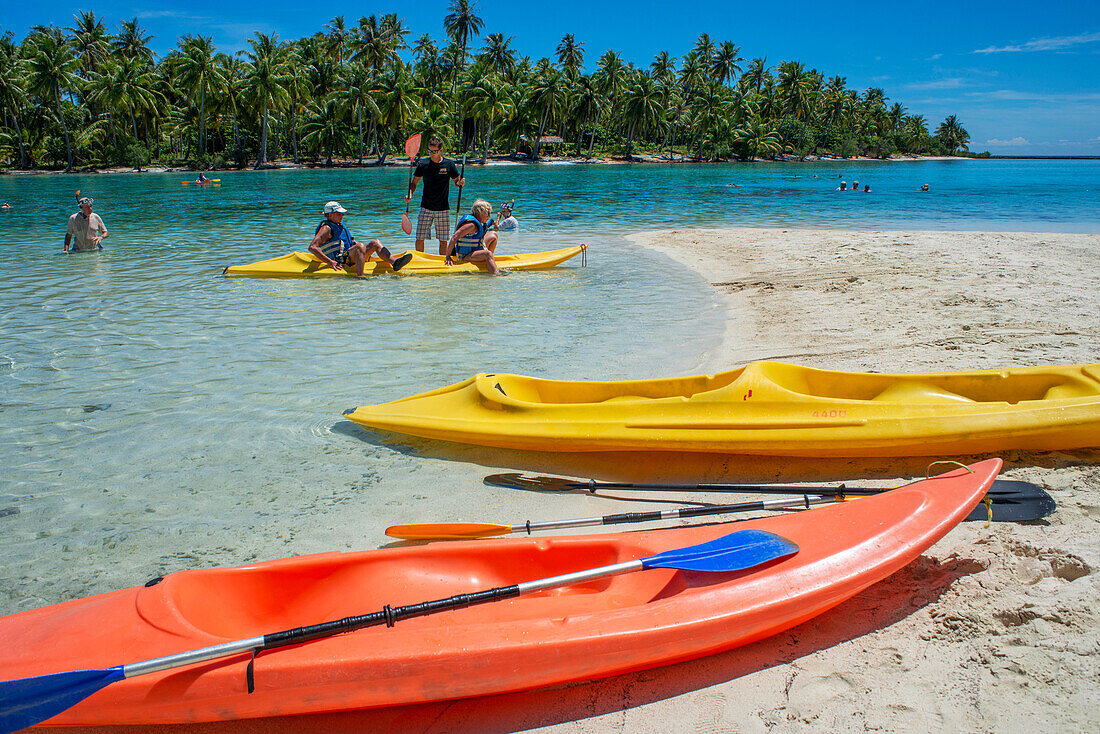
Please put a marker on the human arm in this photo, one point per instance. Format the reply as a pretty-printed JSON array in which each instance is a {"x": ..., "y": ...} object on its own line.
[
  {"x": 103, "y": 229},
  {"x": 324, "y": 233},
  {"x": 412, "y": 187},
  {"x": 462, "y": 231}
]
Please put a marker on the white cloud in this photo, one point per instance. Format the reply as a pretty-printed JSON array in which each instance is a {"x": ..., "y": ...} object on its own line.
[
  {"x": 933, "y": 57},
  {"x": 1042, "y": 44},
  {"x": 1016, "y": 96},
  {"x": 949, "y": 83},
  {"x": 1013, "y": 141}
]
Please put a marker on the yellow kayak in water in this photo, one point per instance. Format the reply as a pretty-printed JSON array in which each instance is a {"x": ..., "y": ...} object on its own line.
[
  {"x": 765, "y": 408},
  {"x": 305, "y": 264}
]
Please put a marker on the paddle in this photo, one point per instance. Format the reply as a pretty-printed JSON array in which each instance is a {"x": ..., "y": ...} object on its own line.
[
  {"x": 29, "y": 701},
  {"x": 412, "y": 148},
  {"x": 1011, "y": 500},
  {"x": 467, "y": 138},
  {"x": 465, "y": 530},
  {"x": 209, "y": 180}
]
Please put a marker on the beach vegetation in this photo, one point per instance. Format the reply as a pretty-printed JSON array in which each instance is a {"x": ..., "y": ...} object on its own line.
[{"x": 88, "y": 97}]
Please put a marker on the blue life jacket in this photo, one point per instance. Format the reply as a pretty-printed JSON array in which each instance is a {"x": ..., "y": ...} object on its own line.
[
  {"x": 340, "y": 242},
  {"x": 471, "y": 242}
]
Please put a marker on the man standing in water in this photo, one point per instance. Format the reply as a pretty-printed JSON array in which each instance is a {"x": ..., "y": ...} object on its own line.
[
  {"x": 335, "y": 245},
  {"x": 87, "y": 228},
  {"x": 435, "y": 205}
]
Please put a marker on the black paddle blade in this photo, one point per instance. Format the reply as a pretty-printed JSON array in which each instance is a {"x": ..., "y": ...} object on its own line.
[
  {"x": 1015, "y": 501},
  {"x": 513, "y": 480}
]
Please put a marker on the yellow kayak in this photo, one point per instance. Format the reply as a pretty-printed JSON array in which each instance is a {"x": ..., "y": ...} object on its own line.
[
  {"x": 305, "y": 263},
  {"x": 764, "y": 408}
]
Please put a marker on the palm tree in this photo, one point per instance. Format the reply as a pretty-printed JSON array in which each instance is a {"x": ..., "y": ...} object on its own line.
[
  {"x": 232, "y": 73},
  {"x": 132, "y": 42},
  {"x": 586, "y": 100},
  {"x": 489, "y": 100},
  {"x": 497, "y": 54},
  {"x": 13, "y": 94},
  {"x": 337, "y": 38},
  {"x": 641, "y": 107},
  {"x": 53, "y": 68},
  {"x": 361, "y": 91},
  {"x": 90, "y": 40},
  {"x": 755, "y": 76},
  {"x": 757, "y": 137},
  {"x": 397, "y": 105},
  {"x": 546, "y": 95},
  {"x": 570, "y": 55},
  {"x": 724, "y": 62},
  {"x": 324, "y": 126},
  {"x": 704, "y": 49},
  {"x": 952, "y": 135},
  {"x": 461, "y": 23},
  {"x": 267, "y": 83},
  {"x": 199, "y": 74},
  {"x": 663, "y": 66}
]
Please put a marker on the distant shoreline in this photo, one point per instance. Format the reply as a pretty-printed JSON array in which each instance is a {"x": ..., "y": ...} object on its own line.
[
  {"x": 491, "y": 161},
  {"x": 1046, "y": 157}
]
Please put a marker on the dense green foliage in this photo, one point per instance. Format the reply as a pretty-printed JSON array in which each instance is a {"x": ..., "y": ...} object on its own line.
[{"x": 83, "y": 96}]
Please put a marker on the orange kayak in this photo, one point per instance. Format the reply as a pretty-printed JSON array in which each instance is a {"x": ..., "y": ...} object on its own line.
[{"x": 591, "y": 630}]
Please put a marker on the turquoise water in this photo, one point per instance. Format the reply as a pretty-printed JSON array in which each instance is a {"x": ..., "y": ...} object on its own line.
[{"x": 155, "y": 415}]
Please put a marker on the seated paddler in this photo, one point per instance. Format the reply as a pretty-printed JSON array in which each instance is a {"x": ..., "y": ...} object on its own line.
[
  {"x": 472, "y": 241},
  {"x": 333, "y": 243}
]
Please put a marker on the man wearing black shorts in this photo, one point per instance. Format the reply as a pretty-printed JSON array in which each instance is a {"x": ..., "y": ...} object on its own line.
[{"x": 434, "y": 203}]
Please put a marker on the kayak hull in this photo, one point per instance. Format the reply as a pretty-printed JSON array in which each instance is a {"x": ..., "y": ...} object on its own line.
[
  {"x": 592, "y": 630},
  {"x": 765, "y": 408},
  {"x": 305, "y": 264}
]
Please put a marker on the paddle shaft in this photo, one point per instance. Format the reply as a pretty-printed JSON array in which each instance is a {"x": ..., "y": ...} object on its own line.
[
  {"x": 387, "y": 616},
  {"x": 517, "y": 481},
  {"x": 681, "y": 512},
  {"x": 458, "y": 206}
]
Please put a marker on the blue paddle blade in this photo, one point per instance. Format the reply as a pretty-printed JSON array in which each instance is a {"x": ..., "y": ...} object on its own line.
[
  {"x": 733, "y": 552},
  {"x": 30, "y": 701}
]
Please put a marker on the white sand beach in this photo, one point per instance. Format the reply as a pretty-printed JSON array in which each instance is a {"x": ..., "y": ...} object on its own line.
[{"x": 994, "y": 629}]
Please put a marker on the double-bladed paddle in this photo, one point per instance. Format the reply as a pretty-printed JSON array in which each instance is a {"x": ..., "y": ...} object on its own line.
[
  {"x": 467, "y": 530},
  {"x": 1010, "y": 500},
  {"x": 30, "y": 701},
  {"x": 412, "y": 147}
]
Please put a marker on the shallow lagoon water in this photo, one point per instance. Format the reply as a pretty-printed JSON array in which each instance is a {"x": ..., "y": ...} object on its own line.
[{"x": 155, "y": 415}]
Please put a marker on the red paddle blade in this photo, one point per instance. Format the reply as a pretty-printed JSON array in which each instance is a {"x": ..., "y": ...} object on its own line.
[
  {"x": 406, "y": 225},
  {"x": 412, "y": 146}
]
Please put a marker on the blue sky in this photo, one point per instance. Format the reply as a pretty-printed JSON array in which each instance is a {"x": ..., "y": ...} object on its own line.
[{"x": 1023, "y": 77}]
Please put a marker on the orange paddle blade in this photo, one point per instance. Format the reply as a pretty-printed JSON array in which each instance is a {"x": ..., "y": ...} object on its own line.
[
  {"x": 447, "y": 530},
  {"x": 412, "y": 146},
  {"x": 406, "y": 225}
]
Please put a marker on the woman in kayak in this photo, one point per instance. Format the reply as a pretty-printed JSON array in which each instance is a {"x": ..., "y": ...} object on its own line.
[
  {"x": 334, "y": 244},
  {"x": 472, "y": 241}
]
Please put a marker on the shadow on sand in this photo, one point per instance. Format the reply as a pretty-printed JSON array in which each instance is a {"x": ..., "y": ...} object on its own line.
[{"x": 690, "y": 467}]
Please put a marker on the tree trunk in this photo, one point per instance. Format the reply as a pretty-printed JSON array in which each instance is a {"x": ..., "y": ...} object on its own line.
[
  {"x": 592, "y": 137},
  {"x": 65, "y": 129},
  {"x": 386, "y": 149},
  {"x": 488, "y": 140},
  {"x": 360, "y": 162},
  {"x": 262, "y": 157},
  {"x": 202, "y": 122},
  {"x": 19, "y": 137},
  {"x": 542, "y": 125}
]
